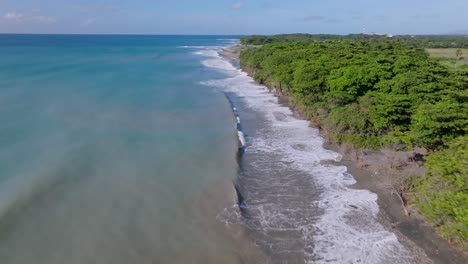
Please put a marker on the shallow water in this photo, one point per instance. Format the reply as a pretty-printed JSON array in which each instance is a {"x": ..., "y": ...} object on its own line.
[
  {"x": 296, "y": 208},
  {"x": 125, "y": 149},
  {"x": 112, "y": 152}
]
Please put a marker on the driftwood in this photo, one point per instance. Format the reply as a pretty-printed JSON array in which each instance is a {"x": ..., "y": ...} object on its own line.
[{"x": 399, "y": 194}]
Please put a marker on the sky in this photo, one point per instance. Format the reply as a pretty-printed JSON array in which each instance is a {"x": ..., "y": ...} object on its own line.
[{"x": 232, "y": 17}]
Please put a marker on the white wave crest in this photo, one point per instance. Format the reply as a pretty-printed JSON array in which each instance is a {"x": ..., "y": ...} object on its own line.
[
  {"x": 348, "y": 231},
  {"x": 219, "y": 64},
  {"x": 195, "y": 47},
  {"x": 207, "y": 53},
  {"x": 241, "y": 136}
]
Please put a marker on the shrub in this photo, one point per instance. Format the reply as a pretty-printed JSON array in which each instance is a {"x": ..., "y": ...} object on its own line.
[{"x": 442, "y": 194}]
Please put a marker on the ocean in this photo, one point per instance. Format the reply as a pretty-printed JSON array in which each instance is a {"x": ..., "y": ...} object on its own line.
[{"x": 156, "y": 149}]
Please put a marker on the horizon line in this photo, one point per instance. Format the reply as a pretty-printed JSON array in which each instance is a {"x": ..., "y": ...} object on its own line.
[{"x": 240, "y": 35}]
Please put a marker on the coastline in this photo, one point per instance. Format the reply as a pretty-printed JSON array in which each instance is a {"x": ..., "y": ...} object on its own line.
[
  {"x": 372, "y": 171},
  {"x": 412, "y": 231}
]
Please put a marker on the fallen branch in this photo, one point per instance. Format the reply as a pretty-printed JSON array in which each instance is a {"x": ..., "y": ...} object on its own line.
[{"x": 400, "y": 197}]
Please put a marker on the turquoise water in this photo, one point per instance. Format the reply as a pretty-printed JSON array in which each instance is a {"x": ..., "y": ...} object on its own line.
[
  {"x": 111, "y": 151},
  {"x": 125, "y": 149}
]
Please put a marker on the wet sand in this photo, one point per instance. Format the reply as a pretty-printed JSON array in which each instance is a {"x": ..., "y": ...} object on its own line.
[
  {"x": 411, "y": 229},
  {"x": 219, "y": 204},
  {"x": 371, "y": 171}
]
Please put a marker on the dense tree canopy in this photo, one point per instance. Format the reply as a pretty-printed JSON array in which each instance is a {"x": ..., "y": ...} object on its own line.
[
  {"x": 396, "y": 86},
  {"x": 380, "y": 93},
  {"x": 426, "y": 41},
  {"x": 442, "y": 195}
]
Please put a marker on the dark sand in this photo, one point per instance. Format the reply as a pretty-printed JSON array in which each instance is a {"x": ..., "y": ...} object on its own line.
[{"x": 372, "y": 171}]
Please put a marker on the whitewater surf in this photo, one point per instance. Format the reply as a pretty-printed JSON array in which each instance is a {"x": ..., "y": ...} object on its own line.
[{"x": 297, "y": 207}]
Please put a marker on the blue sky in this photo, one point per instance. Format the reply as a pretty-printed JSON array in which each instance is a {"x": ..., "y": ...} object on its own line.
[{"x": 234, "y": 17}]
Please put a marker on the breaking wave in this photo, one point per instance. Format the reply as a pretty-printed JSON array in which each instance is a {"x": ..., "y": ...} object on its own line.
[{"x": 336, "y": 223}]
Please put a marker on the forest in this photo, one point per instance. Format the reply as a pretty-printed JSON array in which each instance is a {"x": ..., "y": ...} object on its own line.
[
  {"x": 381, "y": 93},
  {"x": 426, "y": 41}
]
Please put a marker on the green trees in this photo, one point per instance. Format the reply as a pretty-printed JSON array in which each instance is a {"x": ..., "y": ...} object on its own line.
[
  {"x": 442, "y": 194},
  {"x": 435, "y": 125},
  {"x": 377, "y": 93},
  {"x": 309, "y": 80},
  {"x": 390, "y": 111},
  {"x": 395, "y": 86},
  {"x": 429, "y": 41},
  {"x": 348, "y": 83},
  {"x": 279, "y": 69}
]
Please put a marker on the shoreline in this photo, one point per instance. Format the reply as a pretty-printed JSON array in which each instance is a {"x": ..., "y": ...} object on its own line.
[
  {"x": 412, "y": 231},
  {"x": 372, "y": 171}
]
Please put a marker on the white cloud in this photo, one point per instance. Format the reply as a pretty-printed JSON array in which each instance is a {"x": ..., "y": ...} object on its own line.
[
  {"x": 100, "y": 9},
  {"x": 237, "y": 5},
  {"x": 88, "y": 22},
  {"x": 13, "y": 16},
  {"x": 44, "y": 19},
  {"x": 35, "y": 16}
]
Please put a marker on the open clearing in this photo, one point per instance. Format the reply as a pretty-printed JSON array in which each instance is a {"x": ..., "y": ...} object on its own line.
[{"x": 449, "y": 54}]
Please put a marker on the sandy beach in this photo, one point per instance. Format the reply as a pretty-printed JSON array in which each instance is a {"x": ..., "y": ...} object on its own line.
[{"x": 373, "y": 171}]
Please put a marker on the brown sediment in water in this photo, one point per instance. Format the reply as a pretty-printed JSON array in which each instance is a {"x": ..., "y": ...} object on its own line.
[
  {"x": 373, "y": 171},
  {"x": 218, "y": 213}
]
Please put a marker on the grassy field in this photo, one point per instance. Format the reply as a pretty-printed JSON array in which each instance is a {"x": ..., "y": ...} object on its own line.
[{"x": 448, "y": 56}]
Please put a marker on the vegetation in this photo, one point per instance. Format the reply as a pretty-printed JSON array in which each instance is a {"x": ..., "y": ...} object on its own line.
[
  {"x": 428, "y": 41},
  {"x": 451, "y": 57},
  {"x": 372, "y": 94},
  {"x": 442, "y": 195}
]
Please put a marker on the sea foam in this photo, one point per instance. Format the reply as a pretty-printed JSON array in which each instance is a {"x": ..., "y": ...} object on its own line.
[
  {"x": 348, "y": 230},
  {"x": 218, "y": 64},
  {"x": 195, "y": 47}
]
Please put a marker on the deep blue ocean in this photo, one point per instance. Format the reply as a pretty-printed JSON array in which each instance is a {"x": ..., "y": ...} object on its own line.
[{"x": 158, "y": 149}]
